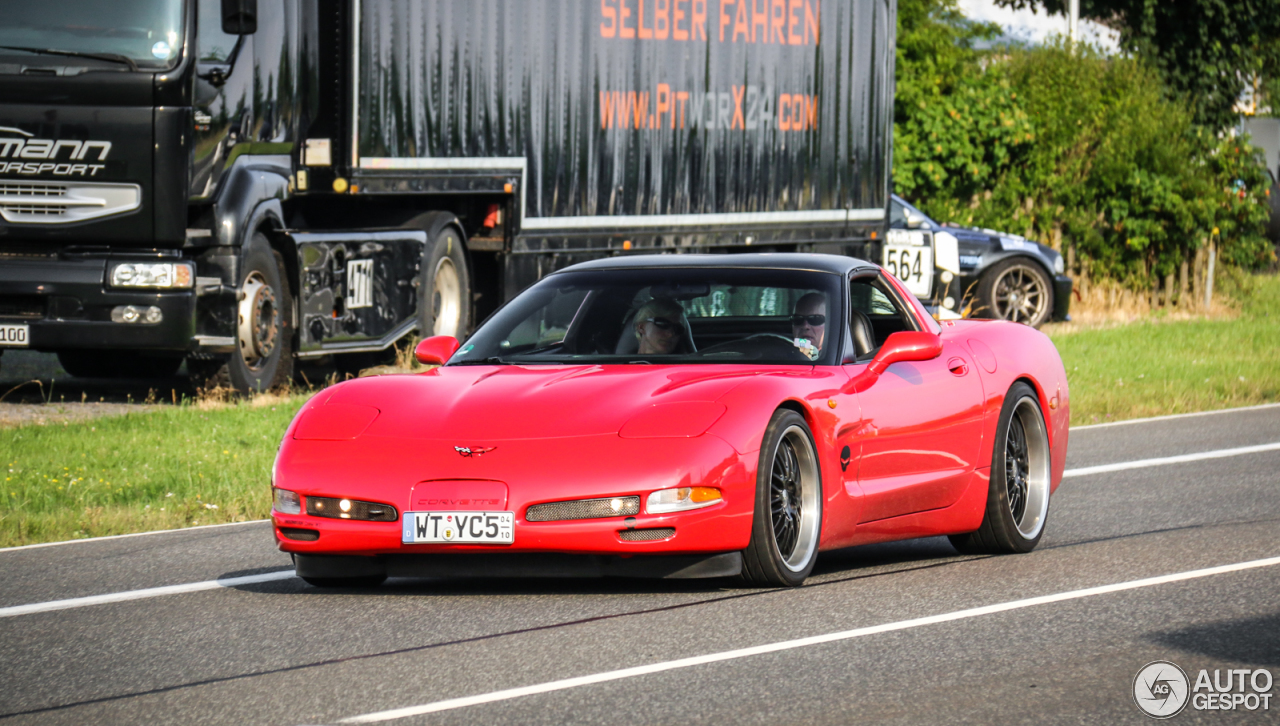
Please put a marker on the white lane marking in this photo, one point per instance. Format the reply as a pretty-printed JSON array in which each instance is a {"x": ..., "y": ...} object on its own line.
[
  {"x": 1180, "y": 459},
  {"x": 79, "y": 602},
  {"x": 134, "y": 534},
  {"x": 567, "y": 683},
  {"x": 1152, "y": 419}
]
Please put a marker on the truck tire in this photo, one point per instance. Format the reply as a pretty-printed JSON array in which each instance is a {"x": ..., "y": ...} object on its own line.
[
  {"x": 1015, "y": 289},
  {"x": 264, "y": 331},
  {"x": 117, "y": 364},
  {"x": 444, "y": 283}
]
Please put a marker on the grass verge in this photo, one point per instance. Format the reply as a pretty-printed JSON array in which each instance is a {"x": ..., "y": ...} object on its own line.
[
  {"x": 176, "y": 467},
  {"x": 1160, "y": 366}
]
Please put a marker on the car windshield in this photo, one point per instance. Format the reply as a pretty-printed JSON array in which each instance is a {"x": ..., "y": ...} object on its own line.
[
  {"x": 148, "y": 32},
  {"x": 666, "y": 315}
]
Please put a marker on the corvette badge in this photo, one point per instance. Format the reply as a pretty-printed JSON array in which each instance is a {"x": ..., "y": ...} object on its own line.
[{"x": 469, "y": 452}]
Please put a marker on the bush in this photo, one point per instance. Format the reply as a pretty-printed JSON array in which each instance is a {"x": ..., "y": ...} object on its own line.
[{"x": 1070, "y": 149}]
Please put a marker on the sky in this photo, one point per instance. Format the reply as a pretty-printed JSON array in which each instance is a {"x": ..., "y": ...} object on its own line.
[{"x": 1033, "y": 28}]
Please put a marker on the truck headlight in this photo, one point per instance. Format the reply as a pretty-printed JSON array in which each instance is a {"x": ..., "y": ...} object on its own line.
[{"x": 165, "y": 275}]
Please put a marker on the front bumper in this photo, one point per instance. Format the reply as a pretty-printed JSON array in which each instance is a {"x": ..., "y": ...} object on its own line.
[
  {"x": 1062, "y": 286},
  {"x": 67, "y": 305}
]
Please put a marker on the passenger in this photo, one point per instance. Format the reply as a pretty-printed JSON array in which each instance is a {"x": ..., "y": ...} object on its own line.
[
  {"x": 809, "y": 324},
  {"x": 660, "y": 327}
]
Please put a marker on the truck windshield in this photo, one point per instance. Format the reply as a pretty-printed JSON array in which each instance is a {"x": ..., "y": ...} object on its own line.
[{"x": 146, "y": 32}]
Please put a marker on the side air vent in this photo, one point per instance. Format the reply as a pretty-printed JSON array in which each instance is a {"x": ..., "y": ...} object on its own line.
[
  {"x": 646, "y": 535},
  {"x": 24, "y": 202}
]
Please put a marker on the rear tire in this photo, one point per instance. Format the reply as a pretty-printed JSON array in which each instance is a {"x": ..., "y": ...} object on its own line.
[
  {"x": 787, "y": 525},
  {"x": 264, "y": 330},
  {"x": 1018, "y": 496},
  {"x": 444, "y": 282}
]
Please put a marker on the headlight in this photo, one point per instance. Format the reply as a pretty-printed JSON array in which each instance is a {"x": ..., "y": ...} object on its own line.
[
  {"x": 287, "y": 502},
  {"x": 151, "y": 274},
  {"x": 681, "y": 499},
  {"x": 1058, "y": 266}
]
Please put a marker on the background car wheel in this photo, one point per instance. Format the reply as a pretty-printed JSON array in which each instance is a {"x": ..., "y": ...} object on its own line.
[
  {"x": 345, "y": 582},
  {"x": 1018, "y": 496},
  {"x": 444, "y": 285},
  {"x": 117, "y": 364},
  {"x": 788, "y": 512},
  {"x": 1015, "y": 289},
  {"x": 264, "y": 328}
]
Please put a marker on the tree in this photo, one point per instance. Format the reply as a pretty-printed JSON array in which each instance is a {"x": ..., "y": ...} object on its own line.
[{"x": 1206, "y": 50}]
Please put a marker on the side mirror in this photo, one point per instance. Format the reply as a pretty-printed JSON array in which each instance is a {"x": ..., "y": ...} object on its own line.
[
  {"x": 436, "y": 349},
  {"x": 898, "y": 348},
  {"x": 239, "y": 17},
  {"x": 913, "y": 222}
]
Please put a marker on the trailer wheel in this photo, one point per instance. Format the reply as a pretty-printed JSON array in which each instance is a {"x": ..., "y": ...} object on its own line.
[
  {"x": 444, "y": 283},
  {"x": 264, "y": 327}
]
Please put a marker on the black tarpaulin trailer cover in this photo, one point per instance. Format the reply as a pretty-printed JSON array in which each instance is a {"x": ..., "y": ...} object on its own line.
[{"x": 638, "y": 113}]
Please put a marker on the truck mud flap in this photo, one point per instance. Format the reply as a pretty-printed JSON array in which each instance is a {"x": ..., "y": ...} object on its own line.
[{"x": 358, "y": 289}]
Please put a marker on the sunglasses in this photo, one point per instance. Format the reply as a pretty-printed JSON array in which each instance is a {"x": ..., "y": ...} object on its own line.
[
  {"x": 662, "y": 323},
  {"x": 814, "y": 320}
]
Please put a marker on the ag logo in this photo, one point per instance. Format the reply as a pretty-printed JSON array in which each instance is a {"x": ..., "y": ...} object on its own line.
[{"x": 1160, "y": 689}]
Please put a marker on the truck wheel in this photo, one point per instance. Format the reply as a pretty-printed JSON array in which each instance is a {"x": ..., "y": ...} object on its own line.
[
  {"x": 444, "y": 285},
  {"x": 1015, "y": 289},
  {"x": 117, "y": 364},
  {"x": 264, "y": 329}
]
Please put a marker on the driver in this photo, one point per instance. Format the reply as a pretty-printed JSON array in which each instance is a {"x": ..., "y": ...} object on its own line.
[
  {"x": 809, "y": 324},
  {"x": 660, "y": 326}
]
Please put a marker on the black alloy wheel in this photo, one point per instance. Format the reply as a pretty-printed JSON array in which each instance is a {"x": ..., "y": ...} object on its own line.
[
  {"x": 1018, "y": 495},
  {"x": 1018, "y": 290},
  {"x": 787, "y": 526}
]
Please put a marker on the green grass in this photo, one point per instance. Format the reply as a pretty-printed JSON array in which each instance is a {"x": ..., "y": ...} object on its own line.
[
  {"x": 178, "y": 467},
  {"x": 1160, "y": 367}
]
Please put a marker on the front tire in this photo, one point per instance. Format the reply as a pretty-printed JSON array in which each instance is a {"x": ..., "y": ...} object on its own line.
[
  {"x": 1018, "y": 496},
  {"x": 1016, "y": 289},
  {"x": 264, "y": 327},
  {"x": 788, "y": 510}
]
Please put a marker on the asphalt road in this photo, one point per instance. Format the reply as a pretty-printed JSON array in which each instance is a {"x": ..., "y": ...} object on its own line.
[{"x": 281, "y": 652}]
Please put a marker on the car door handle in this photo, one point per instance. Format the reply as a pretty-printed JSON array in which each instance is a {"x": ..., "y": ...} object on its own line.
[{"x": 957, "y": 366}]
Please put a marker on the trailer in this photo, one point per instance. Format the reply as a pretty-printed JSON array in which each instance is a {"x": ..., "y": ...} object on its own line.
[{"x": 243, "y": 185}]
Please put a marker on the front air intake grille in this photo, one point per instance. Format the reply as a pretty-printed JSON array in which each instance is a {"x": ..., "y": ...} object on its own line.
[
  {"x": 646, "y": 535},
  {"x": 367, "y": 511},
  {"x": 583, "y": 509},
  {"x": 65, "y": 202},
  {"x": 299, "y": 534},
  {"x": 21, "y": 306}
]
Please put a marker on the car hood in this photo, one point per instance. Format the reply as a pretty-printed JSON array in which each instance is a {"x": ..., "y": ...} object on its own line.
[{"x": 493, "y": 403}]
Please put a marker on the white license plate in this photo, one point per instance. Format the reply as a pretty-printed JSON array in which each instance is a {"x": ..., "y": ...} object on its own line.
[
  {"x": 16, "y": 336},
  {"x": 459, "y": 527},
  {"x": 913, "y": 265}
]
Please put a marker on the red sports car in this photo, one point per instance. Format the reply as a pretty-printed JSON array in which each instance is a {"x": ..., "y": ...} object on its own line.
[{"x": 680, "y": 416}]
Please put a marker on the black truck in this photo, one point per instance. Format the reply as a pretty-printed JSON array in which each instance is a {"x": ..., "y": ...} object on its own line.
[{"x": 242, "y": 184}]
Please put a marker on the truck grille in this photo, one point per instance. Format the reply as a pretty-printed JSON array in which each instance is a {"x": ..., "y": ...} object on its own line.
[{"x": 65, "y": 202}]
